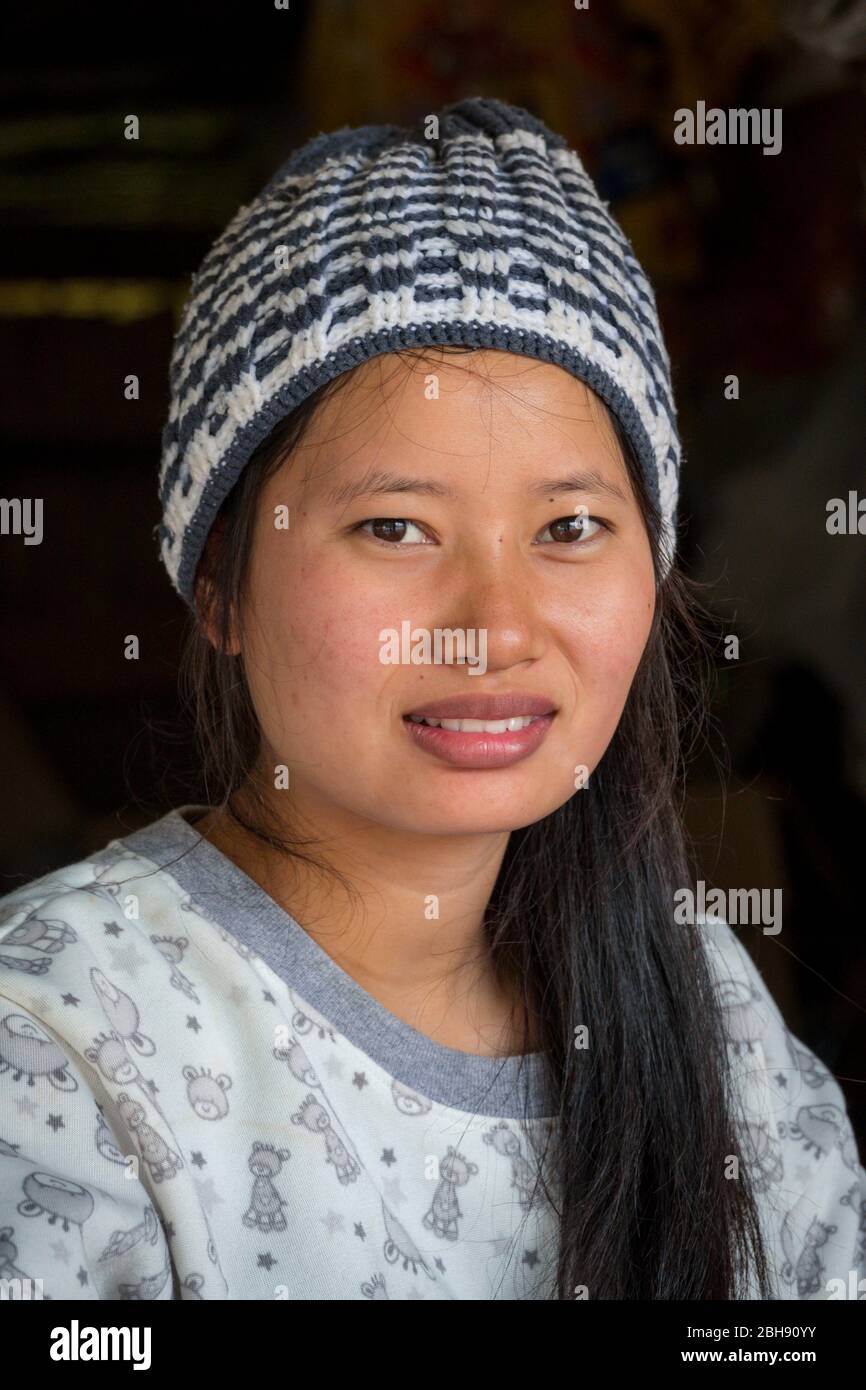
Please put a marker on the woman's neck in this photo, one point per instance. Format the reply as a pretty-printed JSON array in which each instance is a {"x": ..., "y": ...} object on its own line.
[{"x": 409, "y": 929}]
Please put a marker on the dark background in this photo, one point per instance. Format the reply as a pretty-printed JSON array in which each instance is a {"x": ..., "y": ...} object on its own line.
[{"x": 758, "y": 266}]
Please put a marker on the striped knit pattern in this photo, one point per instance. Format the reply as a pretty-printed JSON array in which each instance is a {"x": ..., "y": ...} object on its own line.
[{"x": 378, "y": 238}]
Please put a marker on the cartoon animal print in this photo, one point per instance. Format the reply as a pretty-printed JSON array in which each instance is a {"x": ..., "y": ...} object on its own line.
[
  {"x": 806, "y": 1266},
  {"x": 375, "y": 1288},
  {"x": 313, "y": 1116},
  {"x": 854, "y": 1198},
  {"x": 454, "y": 1171},
  {"x": 8, "y": 1256},
  {"x": 161, "y": 1161},
  {"x": 823, "y": 1127},
  {"x": 114, "y": 1062},
  {"x": 302, "y": 1023},
  {"x": 742, "y": 1024},
  {"x": 504, "y": 1141},
  {"x": 147, "y": 1289},
  {"x": 298, "y": 1062},
  {"x": 409, "y": 1102},
  {"x": 56, "y": 1198},
  {"x": 32, "y": 945},
  {"x": 265, "y": 1211},
  {"x": 121, "y": 1012},
  {"x": 26, "y": 1051},
  {"x": 121, "y": 1241},
  {"x": 806, "y": 1063},
  {"x": 762, "y": 1154},
  {"x": 399, "y": 1245},
  {"x": 244, "y": 951},
  {"x": 171, "y": 948},
  {"x": 206, "y": 1094},
  {"x": 106, "y": 1142},
  {"x": 108, "y": 1053},
  {"x": 111, "y": 1057}
]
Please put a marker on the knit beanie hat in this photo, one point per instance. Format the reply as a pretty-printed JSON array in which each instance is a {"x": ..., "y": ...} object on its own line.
[{"x": 475, "y": 226}]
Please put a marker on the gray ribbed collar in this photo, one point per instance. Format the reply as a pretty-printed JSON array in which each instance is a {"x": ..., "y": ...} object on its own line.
[{"x": 496, "y": 1086}]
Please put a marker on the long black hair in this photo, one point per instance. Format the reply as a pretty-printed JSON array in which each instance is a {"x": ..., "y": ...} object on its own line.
[{"x": 582, "y": 919}]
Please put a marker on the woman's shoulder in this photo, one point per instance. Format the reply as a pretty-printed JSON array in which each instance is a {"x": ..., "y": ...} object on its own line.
[
  {"x": 101, "y": 911},
  {"x": 83, "y": 973},
  {"x": 799, "y": 1142},
  {"x": 742, "y": 989},
  {"x": 755, "y": 1025}
]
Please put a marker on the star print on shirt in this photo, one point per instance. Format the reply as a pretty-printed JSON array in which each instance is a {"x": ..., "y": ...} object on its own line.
[
  {"x": 388, "y": 1157},
  {"x": 112, "y": 929},
  {"x": 193, "y": 1023},
  {"x": 56, "y": 1122},
  {"x": 70, "y": 999},
  {"x": 266, "y": 1261},
  {"x": 197, "y": 1159},
  {"x": 360, "y": 1080}
]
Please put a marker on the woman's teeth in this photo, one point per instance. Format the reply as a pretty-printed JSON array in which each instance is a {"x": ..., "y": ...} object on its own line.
[{"x": 478, "y": 726}]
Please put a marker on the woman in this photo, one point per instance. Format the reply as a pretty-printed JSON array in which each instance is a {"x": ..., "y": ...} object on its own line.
[{"x": 402, "y": 1006}]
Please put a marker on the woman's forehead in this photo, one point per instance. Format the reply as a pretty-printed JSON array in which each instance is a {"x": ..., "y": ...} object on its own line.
[
  {"x": 427, "y": 398},
  {"x": 411, "y": 444}
]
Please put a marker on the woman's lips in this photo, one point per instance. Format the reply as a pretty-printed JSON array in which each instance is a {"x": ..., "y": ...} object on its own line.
[{"x": 479, "y": 750}]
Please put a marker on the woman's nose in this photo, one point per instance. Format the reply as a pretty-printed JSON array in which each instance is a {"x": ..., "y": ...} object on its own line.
[{"x": 497, "y": 599}]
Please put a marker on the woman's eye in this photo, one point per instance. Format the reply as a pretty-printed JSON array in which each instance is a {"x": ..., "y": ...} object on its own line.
[
  {"x": 392, "y": 530},
  {"x": 574, "y": 528},
  {"x": 395, "y": 532}
]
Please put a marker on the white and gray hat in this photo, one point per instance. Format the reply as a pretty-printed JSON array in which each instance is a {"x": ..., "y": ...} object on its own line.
[{"x": 477, "y": 226}]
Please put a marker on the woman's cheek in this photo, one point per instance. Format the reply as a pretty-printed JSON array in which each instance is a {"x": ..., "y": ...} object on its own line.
[
  {"x": 625, "y": 611},
  {"x": 607, "y": 637},
  {"x": 619, "y": 648},
  {"x": 327, "y": 650}
]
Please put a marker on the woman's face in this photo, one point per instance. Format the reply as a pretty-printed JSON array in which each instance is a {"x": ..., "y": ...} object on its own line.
[{"x": 493, "y": 503}]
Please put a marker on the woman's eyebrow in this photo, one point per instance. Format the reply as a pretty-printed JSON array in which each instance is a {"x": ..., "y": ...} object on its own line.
[
  {"x": 374, "y": 484},
  {"x": 589, "y": 481},
  {"x": 378, "y": 483}
]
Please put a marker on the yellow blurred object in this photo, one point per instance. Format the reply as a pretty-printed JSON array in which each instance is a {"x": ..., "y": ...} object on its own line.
[{"x": 121, "y": 301}]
